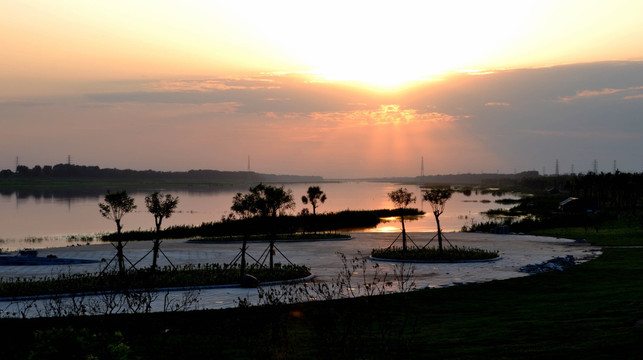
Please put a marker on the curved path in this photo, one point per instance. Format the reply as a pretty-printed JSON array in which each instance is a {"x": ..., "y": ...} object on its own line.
[{"x": 322, "y": 256}]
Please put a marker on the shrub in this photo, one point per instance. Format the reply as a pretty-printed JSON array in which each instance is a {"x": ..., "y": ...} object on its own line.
[{"x": 454, "y": 253}]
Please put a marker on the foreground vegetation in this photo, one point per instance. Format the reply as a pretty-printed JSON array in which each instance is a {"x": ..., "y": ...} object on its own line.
[
  {"x": 590, "y": 311},
  {"x": 167, "y": 277},
  {"x": 453, "y": 253}
]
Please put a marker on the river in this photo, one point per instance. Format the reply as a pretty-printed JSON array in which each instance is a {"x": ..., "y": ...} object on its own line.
[{"x": 44, "y": 219}]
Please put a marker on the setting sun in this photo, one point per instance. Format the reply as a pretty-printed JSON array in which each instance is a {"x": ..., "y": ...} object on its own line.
[{"x": 387, "y": 45}]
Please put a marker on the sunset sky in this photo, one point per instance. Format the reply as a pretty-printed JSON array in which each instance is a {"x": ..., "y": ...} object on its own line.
[{"x": 338, "y": 89}]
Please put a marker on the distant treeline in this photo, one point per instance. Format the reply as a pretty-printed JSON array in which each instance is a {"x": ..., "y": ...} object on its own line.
[
  {"x": 67, "y": 171},
  {"x": 482, "y": 179},
  {"x": 617, "y": 191},
  {"x": 584, "y": 200}
]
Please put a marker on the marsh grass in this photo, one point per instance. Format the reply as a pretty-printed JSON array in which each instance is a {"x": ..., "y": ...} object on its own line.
[
  {"x": 281, "y": 237},
  {"x": 286, "y": 224},
  {"x": 167, "y": 277},
  {"x": 351, "y": 334},
  {"x": 454, "y": 253},
  {"x": 358, "y": 276}
]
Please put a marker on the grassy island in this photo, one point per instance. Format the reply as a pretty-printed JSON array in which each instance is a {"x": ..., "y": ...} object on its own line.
[
  {"x": 325, "y": 225},
  {"x": 187, "y": 276},
  {"x": 433, "y": 254},
  {"x": 279, "y": 237}
]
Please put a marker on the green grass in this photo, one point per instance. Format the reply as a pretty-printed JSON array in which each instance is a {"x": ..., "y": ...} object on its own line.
[{"x": 612, "y": 233}]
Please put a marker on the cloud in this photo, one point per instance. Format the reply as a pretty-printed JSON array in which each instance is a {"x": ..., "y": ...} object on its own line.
[
  {"x": 510, "y": 119},
  {"x": 396, "y": 115},
  {"x": 272, "y": 92},
  {"x": 390, "y": 114},
  {"x": 584, "y": 94},
  {"x": 25, "y": 103},
  {"x": 206, "y": 85}
]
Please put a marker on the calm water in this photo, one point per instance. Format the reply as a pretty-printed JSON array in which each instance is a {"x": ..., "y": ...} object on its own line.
[{"x": 41, "y": 219}]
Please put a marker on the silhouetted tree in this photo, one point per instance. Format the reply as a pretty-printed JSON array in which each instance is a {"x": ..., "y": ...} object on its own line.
[
  {"x": 277, "y": 200},
  {"x": 244, "y": 206},
  {"x": 402, "y": 198},
  {"x": 161, "y": 206},
  {"x": 265, "y": 201},
  {"x": 315, "y": 196},
  {"x": 116, "y": 205},
  {"x": 438, "y": 197},
  {"x": 22, "y": 170}
]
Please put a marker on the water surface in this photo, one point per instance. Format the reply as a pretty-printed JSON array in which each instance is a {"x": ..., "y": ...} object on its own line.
[{"x": 40, "y": 219}]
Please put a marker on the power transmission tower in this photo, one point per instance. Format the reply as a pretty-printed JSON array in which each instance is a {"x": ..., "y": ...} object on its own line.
[
  {"x": 556, "y": 171},
  {"x": 422, "y": 168}
]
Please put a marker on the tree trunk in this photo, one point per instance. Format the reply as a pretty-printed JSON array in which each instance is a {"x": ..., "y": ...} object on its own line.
[
  {"x": 437, "y": 220},
  {"x": 155, "y": 251},
  {"x": 403, "y": 234},
  {"x": 243, "y": 255},
  {"x": 120, "y": 258},
  {"x": 157, "y": 242},
  {"x": 272, "y": 253},
  {"x": 272, "y": 240}
]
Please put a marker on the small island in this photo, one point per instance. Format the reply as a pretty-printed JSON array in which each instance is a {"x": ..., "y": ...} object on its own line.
[
  {"x": 437, "y": 197},
  {"x": 435, "y": 255}
]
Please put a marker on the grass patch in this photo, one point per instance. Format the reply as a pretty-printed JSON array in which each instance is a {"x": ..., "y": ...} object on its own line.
[
  {"x": 167, "y": 277},
  {"x": 611, "y": 233},
  {"x": 280, "y": 237},
  {"x": 454, "y": 253}
]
